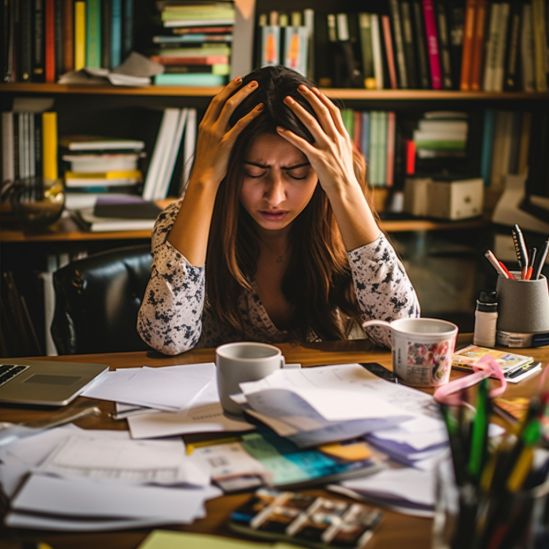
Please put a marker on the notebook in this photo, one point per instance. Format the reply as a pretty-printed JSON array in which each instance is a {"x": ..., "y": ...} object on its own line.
[{"x": 44, "y": 383}]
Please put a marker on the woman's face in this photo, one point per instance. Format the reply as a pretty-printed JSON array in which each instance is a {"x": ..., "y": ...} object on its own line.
[{"x": 278, "y": 182}]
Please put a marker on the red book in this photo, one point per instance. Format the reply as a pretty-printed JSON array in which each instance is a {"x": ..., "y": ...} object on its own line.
[
  {"x": 467, "y": 51},
  {"x": 410, "y": 150},
  {"x": 389, "y": 52},
  {"x": 49, "y": 33},
  {"x": 431, "y": 34}
]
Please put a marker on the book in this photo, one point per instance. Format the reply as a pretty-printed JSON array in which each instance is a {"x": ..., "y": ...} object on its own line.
[
  {"x": 456, "y": 20},
  {"x": 116, "y": 33},
  {"x": 477, "y": 54},
  {"x": 296, "y": 518},
  {"x": 389, "y": 51},
  {"x": 86, "y": 218},
  {"x": 527, "y": 49},
  {"x": 96, "y": 143},
  {"x": 424, "y": 77},
  {"x": 432, "y": 43},
  {"x": 444, "y": 45},
  {"x": 465, "y": 358},
  {"x": 79, "y": 35},
  {"x": 296, "y": 46},
  {"x": 93, "y": 33},
  {"x": 49, "y": 41},
  {"x": 488, "y": 128},
  {"x": 539, "y": 32},
  {"x": 366, "y": 48},
  {"x": 38, "y": 62},
  {"x": 501, "y": 46},
  {"x": 25, "y": 45},
  {"x": 377, "y": 50},
  {"x": 125, "y": 207},
  {"x": 409, "y": 40},
  {"x": 511, "y": 77},
  {"x": 102, "y": 179},
  {"x": 108, "y": 162},
  {"x": 189, "y": 79},
  {"x": 49, "y": 146},
  {"x": 68, "y": 35},
  {"x": 400, "y": 57},
  {"x": 467, "y": 44},
  {"x": 58, "y": 38}
]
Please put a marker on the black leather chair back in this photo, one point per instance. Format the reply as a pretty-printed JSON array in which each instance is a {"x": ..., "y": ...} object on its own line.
[{"x": 97, "y": 299}]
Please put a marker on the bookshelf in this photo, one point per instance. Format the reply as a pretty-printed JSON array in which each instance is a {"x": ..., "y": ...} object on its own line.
[{"x": 90, "y": 109}]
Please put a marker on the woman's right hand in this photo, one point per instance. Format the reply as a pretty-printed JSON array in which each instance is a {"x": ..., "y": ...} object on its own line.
[{"x": 215, "y": 139}]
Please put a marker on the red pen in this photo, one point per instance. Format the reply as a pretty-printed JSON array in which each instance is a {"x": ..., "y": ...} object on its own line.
[{"x": 506, "y": 270}]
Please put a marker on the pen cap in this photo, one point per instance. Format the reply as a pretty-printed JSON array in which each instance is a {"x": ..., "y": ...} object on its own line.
[
  {"x": 523, "y": 305},
  {"x": 487, "y": 302}
]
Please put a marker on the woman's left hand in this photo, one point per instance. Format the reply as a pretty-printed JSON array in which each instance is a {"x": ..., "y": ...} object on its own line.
[{"x": 331, "y": 155}]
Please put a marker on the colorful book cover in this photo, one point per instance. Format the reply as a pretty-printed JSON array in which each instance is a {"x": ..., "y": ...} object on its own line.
[
  {"x": 468, "y": 356},
  {"x": 270, "y": 45},
  {"x": 296, "y": 48},
  {"x": 93, "y": 33},
  {"x": 432, "y": 43},
  {"x": 467, "y": 44},
  {"x": 79, "y": 35}
]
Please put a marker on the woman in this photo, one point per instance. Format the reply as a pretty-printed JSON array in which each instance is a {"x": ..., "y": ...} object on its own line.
[{"x": 275, "y": 239}]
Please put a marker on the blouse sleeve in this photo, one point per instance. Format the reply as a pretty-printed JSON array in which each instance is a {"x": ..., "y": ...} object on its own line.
[
  {"x": 170, "y": 316},
  {"x": 382, "y": 287}
]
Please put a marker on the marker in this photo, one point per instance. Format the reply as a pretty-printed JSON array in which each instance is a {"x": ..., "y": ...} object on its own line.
[{"x": 495, "y": 263}]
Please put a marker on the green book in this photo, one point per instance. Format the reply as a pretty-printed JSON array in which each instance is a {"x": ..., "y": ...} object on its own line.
[
  {"x": 190, "y": 79},
  {"x": 93, "y": 33}
]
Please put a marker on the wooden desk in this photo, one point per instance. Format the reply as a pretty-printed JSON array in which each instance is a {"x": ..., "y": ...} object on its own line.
[{"x": 397, "y": 530}]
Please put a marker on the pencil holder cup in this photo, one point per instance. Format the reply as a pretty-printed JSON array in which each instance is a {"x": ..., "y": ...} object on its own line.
[{"x": 523, "y": 305}]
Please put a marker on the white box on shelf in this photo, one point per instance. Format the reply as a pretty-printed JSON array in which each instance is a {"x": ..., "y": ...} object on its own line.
[{"x": 458, "y": 199}]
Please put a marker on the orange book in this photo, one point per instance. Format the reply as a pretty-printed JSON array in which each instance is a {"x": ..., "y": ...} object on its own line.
[
  {"x": 477, "y": 54},
  {"x": 468, "y": 33},
  {"x": 389, "y": 51}
]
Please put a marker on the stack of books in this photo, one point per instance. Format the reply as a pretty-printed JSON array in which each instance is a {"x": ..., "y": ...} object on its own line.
[
  {"x": 194, "y": 43},
  {"x": 100, "y": 164}
]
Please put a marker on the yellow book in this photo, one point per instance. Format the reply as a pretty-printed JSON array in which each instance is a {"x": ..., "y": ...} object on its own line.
[
  {"x": 49, "y": 145},
  {"x": 79, "y": 35},
  {"x": 130, "y": 174}
]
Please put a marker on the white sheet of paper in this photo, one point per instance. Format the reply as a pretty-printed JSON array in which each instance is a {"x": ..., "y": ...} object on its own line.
[
  {"x": 339, "y": 393},
  {"x": 158, "y": 462},
  {"x": 85, "y": 498},
  {"x": 166, "y": 388},
  {"x": 200, "y": 418}
]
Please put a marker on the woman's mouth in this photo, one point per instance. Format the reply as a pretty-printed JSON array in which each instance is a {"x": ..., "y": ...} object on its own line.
[{"x": 271, "y": 215}]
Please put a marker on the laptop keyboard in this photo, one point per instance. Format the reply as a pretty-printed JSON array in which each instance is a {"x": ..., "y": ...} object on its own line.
[{"x": 9, "y": 371}]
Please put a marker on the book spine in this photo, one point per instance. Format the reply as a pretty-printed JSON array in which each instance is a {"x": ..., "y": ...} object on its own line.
[
  {"x": 49, "y": 41},
  {"x": 8, "y": 155},
  {"x": 421, "y": 45},
  {"x": 389, "y": 52},
  {"x": 478, "y": 44},
  {"x": 396, "y": 23},
  {"x": 409, "y": 44},
  {"x": 93, "y": 33},
  {"x": 116, "y": 33},
  {"x": 374, "y": 144},
  {"x": 382, "y": 150},
  {"x": 467, "y": 48},
  {"x": 527, "y": 50},
  {"x": 16, "y": 159},
  {"x": 38, "y": 42},
  {"x": 432, "y": 43},
  {"x": 22, "y": 143},
  {"x": 7, "y": 40},
  {"x": 295, "y": 48},
  {"x": 501, "y": 46},
  {"x": 106, "y": 34},
  {"x": 456, "y": 15},
  {"x": 58, "y": 39},
  {"x": 491, "y": 49},
  {"x": 68, "y": 35},
  {"x": 49, "y": 145},
  {"x": 31, "y": 146},
  {"x": 270, "y": 45},
  {"x": 127, "y": 28},
  {"x": 391, "y": 136},
  {"x": 367, "y": 54},
  {"x": 487, "y": 146},
  {"x": 38, "y": 144},
  {"x": 365, "y": 135},
  {"x": 539, "y": 31},
  {"x": 444, "y": 44},
  {"x": 25, "y": 44},
  {"x": 376, "y": 50},
  {"x": 79, "y": 35},
  {"x": 511, "y": 79}
]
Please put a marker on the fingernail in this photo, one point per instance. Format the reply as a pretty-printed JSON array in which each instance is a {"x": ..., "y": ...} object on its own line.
[
  {"x": 280, "y": 129},
  {"x": 303, "y": 88},
  {"x": 289, "y": 100},
  {"x": 260, "y": 107},
  {"x": 252, "y": 84},
  {"x": 238, "y": 80}
]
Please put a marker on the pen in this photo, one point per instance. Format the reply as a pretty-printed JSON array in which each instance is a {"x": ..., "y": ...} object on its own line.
[
  {"x": 541, "y": 260},
  {"x": 495, "y": 263},
  {"x": 533, "y": 252},
  {"x": 520, "y": 249},
  {"x": 509, "y": 275}
]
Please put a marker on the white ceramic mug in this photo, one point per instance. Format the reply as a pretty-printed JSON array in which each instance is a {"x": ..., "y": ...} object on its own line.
[
  {"x": 240, "y": 362},
  {"x": 422, "y": 349}
]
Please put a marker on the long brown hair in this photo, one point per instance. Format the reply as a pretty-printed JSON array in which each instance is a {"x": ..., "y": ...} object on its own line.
[{"x": 318, "y": 280}]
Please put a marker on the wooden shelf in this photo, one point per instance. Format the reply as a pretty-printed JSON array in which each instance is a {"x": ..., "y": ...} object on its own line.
[
  {"x": 67, "y": 230},
  {"x": 334, "y": 93}
]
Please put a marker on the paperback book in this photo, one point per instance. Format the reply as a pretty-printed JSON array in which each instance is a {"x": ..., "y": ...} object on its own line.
[{"x": 465, "y": 358}]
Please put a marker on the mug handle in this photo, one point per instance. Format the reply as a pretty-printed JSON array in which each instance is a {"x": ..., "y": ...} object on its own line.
[{"x": 376, "y": 323}]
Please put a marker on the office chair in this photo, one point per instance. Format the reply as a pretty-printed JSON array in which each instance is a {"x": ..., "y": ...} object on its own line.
[{"x": 97, "y": 299}]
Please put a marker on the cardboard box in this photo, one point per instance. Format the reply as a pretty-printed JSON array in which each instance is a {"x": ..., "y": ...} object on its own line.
[{"x": 458, "y": 199}]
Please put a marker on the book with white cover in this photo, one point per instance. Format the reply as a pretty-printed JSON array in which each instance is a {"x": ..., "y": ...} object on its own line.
[{"x": 95, "y": 224}]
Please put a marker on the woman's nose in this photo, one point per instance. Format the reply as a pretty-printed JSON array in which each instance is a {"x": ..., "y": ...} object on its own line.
[{"x": 276, "y": 190}]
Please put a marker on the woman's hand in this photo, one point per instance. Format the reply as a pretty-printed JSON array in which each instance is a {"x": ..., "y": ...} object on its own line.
[
  {"x": 215, "y": 139},
  {"x": 331, "y": 155}
]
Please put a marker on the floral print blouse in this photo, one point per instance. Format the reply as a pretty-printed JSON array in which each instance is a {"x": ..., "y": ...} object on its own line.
[{"x": 174, "y": 316}]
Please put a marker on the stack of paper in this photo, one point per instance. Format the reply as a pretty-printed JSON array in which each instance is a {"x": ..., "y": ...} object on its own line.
[
  {"x": 161, "y": 402},
  {"x": 71, "y": 479}
]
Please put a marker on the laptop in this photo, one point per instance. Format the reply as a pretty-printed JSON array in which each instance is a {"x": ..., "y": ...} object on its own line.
[{"x": 44, "y": 383}]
